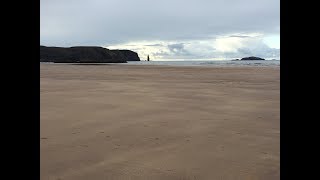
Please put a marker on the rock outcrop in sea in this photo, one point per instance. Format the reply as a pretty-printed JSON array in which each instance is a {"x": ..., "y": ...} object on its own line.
[
  {"x": 252, "y": 58},
  {"x": 86, "y": 54}
]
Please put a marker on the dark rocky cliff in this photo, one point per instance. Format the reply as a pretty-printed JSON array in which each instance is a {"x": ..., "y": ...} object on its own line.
[{"x": 83, "y": 54}]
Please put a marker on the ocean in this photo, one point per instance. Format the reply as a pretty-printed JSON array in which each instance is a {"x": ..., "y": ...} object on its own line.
[{"x": 224, "y": 63}]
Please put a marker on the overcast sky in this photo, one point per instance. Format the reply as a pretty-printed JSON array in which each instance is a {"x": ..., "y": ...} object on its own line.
[{"x": 166, "y": 29}]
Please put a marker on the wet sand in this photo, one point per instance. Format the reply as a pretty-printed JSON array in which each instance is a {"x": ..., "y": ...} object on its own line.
[{"x": 158, "y": 122}]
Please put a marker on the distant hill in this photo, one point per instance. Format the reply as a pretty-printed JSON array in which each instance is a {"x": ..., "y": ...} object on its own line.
[{"x": 86, "y": 54}]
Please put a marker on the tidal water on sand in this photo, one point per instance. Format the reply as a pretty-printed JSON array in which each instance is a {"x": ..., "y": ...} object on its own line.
[{"x": 216, "y": 63}]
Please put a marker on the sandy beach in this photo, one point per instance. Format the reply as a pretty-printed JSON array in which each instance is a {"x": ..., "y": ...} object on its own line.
[{"x": 159, "y": 122}]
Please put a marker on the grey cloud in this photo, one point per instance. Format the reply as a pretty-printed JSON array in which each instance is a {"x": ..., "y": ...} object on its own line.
[
  {"x": 161, "y": 53},
  {"x": 107, "y": 22},
  {"x": 175, "y": 47},
  {"x": 153, "y": 45},
  {"x": 239, "y": 36},
  {"x": 178, "y": 50},
  {"x": 245, "y": 51}
]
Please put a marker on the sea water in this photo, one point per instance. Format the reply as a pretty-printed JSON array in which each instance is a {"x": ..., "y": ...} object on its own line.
[{"x": 221, "y": 63}]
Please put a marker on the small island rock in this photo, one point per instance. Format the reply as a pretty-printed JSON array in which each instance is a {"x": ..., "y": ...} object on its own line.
[{"x": 252, "y": 58}]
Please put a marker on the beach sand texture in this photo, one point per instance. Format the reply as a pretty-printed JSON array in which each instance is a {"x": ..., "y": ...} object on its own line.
[{"x": 159, "y": 122}]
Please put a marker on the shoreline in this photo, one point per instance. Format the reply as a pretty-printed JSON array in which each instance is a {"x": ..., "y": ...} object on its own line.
[{"x": 167, "y": 65}]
